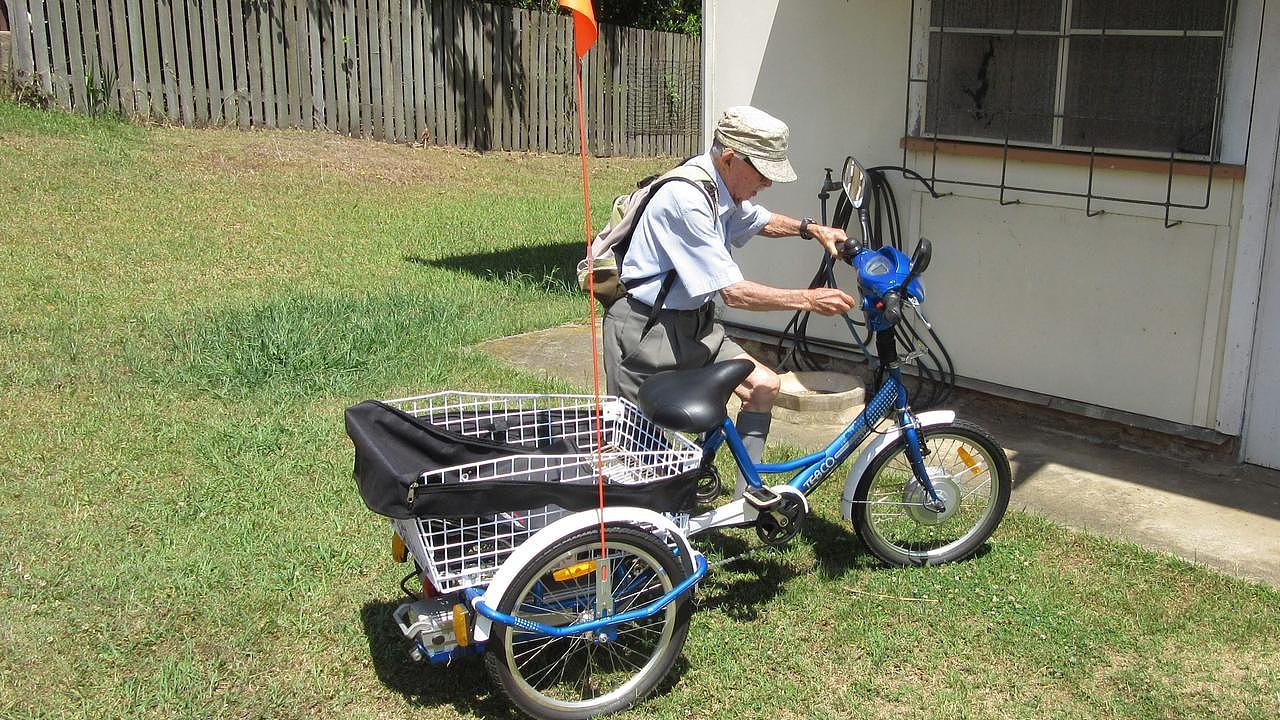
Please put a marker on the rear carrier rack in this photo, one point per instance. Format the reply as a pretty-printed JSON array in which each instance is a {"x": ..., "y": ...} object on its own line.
[{"x": 634, "y": 453}]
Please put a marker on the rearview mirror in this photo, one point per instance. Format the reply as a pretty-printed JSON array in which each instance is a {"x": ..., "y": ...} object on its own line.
[
  {"x": 920, "y": 258},
  {"x": 854, "y": 181}
]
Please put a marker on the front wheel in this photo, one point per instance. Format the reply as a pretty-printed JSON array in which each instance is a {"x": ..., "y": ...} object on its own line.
[
  {"x": 586, "y": 675},
  {"x": 970, "y": 474}
]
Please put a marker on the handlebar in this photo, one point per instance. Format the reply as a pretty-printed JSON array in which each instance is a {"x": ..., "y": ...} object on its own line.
[
  {"x": 887, "y": 279},
  {"x": 849, "y": 250}
]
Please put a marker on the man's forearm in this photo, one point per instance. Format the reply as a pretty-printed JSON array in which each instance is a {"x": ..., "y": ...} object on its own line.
[
  {"x": 781, "y": 226},
  {"x": 748, "y": 295}
]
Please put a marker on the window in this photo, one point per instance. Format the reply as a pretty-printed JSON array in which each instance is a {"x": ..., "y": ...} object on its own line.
[{"x": 1125, "y": 77}]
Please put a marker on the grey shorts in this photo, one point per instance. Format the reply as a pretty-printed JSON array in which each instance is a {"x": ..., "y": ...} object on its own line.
[{"x": 679, "y": 339}]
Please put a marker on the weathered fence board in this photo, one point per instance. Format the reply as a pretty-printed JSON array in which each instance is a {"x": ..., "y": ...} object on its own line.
[
  {"x": 59, "y": 72},
  {"x": 450, "y": 72},
  {"x": 208, "y": 87},
  {"x": 420, "y": 50},
  {"x": 40, "y": 46},
  {"x": 182, "y": 65},
  {"x": 155, "y": 71},
  {"x": 123, "y": 86}
]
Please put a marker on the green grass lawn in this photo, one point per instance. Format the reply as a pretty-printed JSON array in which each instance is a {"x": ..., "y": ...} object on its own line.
[{"x": 185, "y": 316}]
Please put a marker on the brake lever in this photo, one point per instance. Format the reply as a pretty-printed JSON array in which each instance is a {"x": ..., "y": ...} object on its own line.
[{"x": 919, "y": 308}]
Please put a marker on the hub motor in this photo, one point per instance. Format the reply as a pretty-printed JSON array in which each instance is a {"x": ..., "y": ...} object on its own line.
[{"x": 916, "y": 497}]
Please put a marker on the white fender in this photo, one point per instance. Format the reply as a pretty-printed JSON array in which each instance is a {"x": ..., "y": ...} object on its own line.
[
  {"x": 557, "y": 531},
  {"x": 879, "y": 445}
]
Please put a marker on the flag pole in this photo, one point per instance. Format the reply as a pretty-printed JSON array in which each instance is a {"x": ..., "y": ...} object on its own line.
[{"x": 584, "y": 36}]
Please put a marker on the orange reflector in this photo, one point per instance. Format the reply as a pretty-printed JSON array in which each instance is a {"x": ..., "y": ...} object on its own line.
[
  {"x": 398, "y": 551},
  {"x": 968, "y": 460},
  {"x": 460, "y": 626},
  {"x": 575, "y": 570}
]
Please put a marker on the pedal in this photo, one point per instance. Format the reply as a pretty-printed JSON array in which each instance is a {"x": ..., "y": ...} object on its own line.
[{"x": 761, "y": 498}]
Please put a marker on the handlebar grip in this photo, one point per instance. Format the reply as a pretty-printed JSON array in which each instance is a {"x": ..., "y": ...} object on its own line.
[
  {"x": 892, "y": 308},
  {"x": 849, "y": 250}
]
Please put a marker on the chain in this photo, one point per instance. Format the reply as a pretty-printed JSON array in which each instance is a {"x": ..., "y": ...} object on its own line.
[{"x": 754, "y": 551}]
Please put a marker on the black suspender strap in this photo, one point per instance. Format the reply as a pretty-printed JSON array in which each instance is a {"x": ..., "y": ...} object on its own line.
[{"x": 667, "y": 282}]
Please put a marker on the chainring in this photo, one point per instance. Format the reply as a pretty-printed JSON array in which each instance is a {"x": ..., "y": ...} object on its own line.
[{"x": 780, "y": 523}]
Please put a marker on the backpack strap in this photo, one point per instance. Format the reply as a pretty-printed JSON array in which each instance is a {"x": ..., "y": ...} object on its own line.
[
  {"x": 684, "y": 173},
  {"x": 667, "y": 282},
  {"x": 708, "y": 188}
]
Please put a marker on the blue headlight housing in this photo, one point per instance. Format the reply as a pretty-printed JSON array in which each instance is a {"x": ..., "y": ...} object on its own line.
[
  {"x": 883, "y": 270},
  {"x": 879, "y": 273}
]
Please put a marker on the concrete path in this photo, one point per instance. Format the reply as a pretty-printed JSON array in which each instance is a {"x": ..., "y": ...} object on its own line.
[{"x": 1217, "y": 513}]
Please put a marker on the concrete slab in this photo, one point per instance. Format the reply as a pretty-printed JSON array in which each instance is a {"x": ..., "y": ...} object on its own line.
[{"x": 1080, "y": 472}]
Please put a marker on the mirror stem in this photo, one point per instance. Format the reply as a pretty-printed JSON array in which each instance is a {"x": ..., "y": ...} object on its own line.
[{"x": 864, "y": 218}]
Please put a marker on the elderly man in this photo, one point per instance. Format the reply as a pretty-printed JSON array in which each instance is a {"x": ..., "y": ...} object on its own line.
[{"x": 691, "y": 231}]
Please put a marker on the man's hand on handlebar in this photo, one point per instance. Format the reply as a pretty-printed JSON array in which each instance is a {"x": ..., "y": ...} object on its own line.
[
  {"x": 831, "y": 238},
  {"x": 848, "y": 249},
  {"x": 829, "y": 301}
]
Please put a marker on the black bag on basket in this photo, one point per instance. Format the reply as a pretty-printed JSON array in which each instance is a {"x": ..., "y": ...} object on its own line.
[{"x": 394, "y": 449}]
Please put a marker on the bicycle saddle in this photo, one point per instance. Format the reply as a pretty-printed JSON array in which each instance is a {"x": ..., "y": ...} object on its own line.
[{"x": 692, "y": 400}]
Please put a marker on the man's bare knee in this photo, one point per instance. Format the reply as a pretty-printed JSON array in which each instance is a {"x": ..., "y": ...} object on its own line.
[{"x": 759, "y": 391}]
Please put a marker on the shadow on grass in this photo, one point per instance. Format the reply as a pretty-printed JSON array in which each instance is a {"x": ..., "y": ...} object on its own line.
[
  {"x": 551, "y": 263},
  {"x": 755, "y": 580},
  {"x": 839, "y": 549},
  {"x": 462, "y": 684}
]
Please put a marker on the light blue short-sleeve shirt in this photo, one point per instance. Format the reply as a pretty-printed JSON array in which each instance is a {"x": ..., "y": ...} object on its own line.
[{"x": 679, "y": 231}]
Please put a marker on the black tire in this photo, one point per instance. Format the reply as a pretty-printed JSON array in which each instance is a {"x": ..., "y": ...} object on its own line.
[
  {"x": 576, "y": 677},
  {"x": 963, "y": 462}
]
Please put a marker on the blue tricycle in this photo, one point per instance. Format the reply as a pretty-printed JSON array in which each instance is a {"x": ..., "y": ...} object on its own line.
[{"x": 581, "y": 610}]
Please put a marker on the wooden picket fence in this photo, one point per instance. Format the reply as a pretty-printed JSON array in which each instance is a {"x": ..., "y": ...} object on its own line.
[{"x": 450, "y": 72}]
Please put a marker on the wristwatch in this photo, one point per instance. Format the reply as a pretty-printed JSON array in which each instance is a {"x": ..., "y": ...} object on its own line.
[{"x": 804, "y": 228}]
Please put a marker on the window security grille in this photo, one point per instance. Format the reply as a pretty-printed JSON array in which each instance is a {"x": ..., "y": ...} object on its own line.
[{"x": 1093, "y": 76}]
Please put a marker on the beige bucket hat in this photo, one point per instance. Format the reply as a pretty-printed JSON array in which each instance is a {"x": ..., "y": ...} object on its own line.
[{"x": 761, "y": 137}]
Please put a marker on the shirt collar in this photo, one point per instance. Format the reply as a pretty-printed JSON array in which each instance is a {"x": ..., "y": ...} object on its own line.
[{"x": 723, "y": 199}]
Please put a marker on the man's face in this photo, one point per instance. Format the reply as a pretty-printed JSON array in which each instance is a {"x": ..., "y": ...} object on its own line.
[{"x": 743, "y": 180}]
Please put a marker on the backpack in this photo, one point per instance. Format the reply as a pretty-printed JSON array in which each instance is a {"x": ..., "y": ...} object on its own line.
[{"x": 610, "y": 245}]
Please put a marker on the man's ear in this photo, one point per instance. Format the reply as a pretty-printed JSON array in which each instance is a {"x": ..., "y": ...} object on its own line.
[{"x": 726, "y": 154}]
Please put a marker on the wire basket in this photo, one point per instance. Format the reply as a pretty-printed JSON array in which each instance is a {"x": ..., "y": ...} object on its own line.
[{"x": 460, "y": 552}]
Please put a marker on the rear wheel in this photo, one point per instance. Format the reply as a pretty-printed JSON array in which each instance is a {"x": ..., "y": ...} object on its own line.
[
  {"x": 970, "y": 474},
  {"x": 607, "y": 671}
]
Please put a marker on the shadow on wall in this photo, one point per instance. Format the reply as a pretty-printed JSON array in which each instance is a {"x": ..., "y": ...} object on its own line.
[{"x": 836, "y": 73}]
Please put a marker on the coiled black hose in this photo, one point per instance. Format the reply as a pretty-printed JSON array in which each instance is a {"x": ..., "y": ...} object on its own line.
[{"x": 933, "y": 370}]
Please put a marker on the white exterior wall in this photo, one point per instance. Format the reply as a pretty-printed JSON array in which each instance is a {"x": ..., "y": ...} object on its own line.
[{"x": 1113, "y": 310}]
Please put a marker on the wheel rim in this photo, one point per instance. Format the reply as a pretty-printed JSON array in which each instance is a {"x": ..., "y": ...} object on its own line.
[
  {"x": 962, "y": 473},
  {"x": 578, "y": 672}
]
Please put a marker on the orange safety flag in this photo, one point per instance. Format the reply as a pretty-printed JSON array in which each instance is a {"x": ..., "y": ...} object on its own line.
[{"x": 584, "y": 25}]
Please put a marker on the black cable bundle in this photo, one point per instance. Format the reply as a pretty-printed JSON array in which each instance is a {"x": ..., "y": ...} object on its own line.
[{"x": 934, "y": 369}]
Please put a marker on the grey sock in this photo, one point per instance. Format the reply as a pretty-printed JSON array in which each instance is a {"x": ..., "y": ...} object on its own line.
[{"x": 754, "y": 428}]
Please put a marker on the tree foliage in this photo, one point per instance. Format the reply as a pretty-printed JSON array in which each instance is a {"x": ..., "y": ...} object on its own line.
[{"x": 679, "y": 16}]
